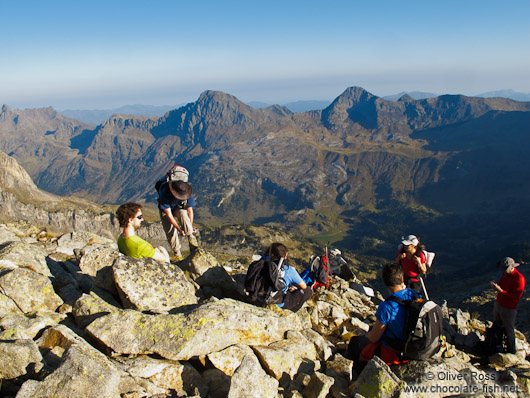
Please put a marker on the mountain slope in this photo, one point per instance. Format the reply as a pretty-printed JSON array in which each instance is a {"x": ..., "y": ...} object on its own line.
[{"x": 346, "y": 173}]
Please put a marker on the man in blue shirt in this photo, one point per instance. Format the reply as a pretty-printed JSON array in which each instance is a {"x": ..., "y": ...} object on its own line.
[
  {"x": 175, "y": 204},
  {"x": 390, "y": 317}
]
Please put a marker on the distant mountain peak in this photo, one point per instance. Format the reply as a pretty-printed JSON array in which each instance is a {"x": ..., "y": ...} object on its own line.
[{"x": 405, "y": 98}]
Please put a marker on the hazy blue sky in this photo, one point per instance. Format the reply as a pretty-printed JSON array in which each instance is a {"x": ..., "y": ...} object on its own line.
[{"x": 102, "y": 54}]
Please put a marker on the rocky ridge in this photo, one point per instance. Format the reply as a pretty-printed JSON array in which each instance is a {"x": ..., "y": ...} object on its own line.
[{"x": 79, "y": 319}]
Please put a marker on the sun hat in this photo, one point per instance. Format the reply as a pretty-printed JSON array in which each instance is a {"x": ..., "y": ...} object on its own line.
[
  {"x": 506, "y": 263},
  {"x": 180, "y": 189},
  {"x": 409, "y": 240}
]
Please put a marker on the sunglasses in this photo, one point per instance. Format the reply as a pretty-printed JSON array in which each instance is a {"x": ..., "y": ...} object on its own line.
[{"x": 140, "y": 217}]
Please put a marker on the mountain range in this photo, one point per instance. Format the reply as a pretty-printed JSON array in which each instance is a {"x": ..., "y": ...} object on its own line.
[
  {"x": 98, "y": 116},
  {"x": 361, "y": 172}
]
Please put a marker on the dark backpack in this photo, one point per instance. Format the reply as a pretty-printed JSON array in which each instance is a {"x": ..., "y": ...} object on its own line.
[
  {"x": 264, "y": 281},
  {"x": 423, "y": 329},
  {"x": 317, "y": 274},
  {"x": 494, "y": 340}
]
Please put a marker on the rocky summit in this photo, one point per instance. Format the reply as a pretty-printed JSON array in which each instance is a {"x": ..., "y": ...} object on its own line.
[{"x": 78, "y": 319}]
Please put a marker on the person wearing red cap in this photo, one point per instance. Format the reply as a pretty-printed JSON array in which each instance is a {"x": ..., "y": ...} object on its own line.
[{"x": 509, "y": 292}]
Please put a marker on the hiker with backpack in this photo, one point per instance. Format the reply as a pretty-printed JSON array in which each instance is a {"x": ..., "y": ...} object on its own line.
[
  {"x": 509, "y": 292},
  {"x": 270, "y": 280},
  {"x": 175, "y": 204},
  {"x": 399, "y": 333},
  {"x": 412, "y": 259},
  {"x": 130, "y": 217}
]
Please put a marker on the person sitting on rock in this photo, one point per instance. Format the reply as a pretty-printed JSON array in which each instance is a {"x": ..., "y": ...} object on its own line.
[
  {"x": 175, "y": 203},
  {"x": 509, "y": 292},
  {"x": 413, "y": 261},
  {"x": 130, "y": 218},
  {"x": 390, "y": 322},
  {"x": 296, "y": 292}
]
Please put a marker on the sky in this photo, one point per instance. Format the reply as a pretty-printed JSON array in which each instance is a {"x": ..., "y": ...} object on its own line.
[{"x": 106, "y": 54}]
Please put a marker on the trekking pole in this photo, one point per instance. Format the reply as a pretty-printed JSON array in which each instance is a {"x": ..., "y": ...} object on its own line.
[{"x": 423, "y": 286}]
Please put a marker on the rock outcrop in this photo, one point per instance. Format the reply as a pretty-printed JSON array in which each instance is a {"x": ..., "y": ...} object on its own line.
[{"x": 79, "y": 319}]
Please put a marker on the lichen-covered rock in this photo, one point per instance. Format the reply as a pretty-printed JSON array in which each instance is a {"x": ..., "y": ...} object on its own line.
[
  {"x": 70, "y": 242},
  {"x": 84, "y": 372},
  {"x": 288, "y": 357},
  {"x": 377, "y": 380},
  {"x": 16, "y": 356},
  {"x": 19, "y": 254},
  {"x": 208, "y": 273},
  {"x": 92, "y": 306},
  {"x": 7, "y": 235},
  {"x": 229, "y": 359},
  {"x": 8, "y": 306},
  {"x": 30, "y": 290},
  {"x": 251, "y": 381},
  {"x": 163, "y": 373},
  {"x": 96, "y": 261},
  {"x": 18, "y": 326},
  {"x": 318, "y": 386},
  {"x": 324, "y": 347},
  {"x": 147, "y": 285},
  {"x": 208, "y": 328}
]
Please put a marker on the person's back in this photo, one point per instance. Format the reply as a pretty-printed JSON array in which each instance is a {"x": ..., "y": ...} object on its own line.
[{"x": 390, "y": 322}]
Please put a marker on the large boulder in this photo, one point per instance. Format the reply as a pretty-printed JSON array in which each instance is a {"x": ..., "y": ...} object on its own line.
[
  {"x": 8, "y": 306},
  {"x": 229, "y": 359},
  {"x": 18, "y": 326},
  {"x": 19, "y": 254},
  {"x": 17, "y": 356},
  {"x": 209, "y": 328},
  {"x": 96, "y": 261},
  {"x": 92, "y": 306},
  {"x": 211, "y": 276},
  {"x": 71, "y": 242},
  {"x": 30, "y": 290},
  {"x": 288, "y": 357},
  {"x": 377, "y": 381},
  {"x": 147, "y": 285},
  {"x": 251, "y": 381},
  {"x": 84, "y": 372}
]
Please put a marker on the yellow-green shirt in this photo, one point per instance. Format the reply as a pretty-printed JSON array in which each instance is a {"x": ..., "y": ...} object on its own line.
[{"x": 135, "y": 247}]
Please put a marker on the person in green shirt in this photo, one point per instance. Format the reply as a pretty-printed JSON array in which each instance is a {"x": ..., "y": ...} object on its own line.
[{"x": 130, "y": 217}]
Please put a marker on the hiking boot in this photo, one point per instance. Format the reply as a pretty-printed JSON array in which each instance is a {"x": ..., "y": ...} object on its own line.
[
  {"x": 178, "y": 257},
  {"x": 192, "y": 240}
]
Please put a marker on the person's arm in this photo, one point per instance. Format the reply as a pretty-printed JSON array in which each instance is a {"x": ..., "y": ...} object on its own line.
[
  {"x": 190, "y": 215},
  {"x": 422, "y": 267},
  {"x": 515, "y": 291},
  {"x": 160, "y": 256},
  {"x": 296, "y": 280},
  {"x": 375, "y": 333},
  {"x": 172, "y": 220}
]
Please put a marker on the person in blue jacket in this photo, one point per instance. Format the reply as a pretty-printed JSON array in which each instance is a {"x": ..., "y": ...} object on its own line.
[{"x": 390, "y": 321}]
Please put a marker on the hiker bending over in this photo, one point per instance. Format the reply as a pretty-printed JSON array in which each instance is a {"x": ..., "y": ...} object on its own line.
[
  {"x": 390, "y": 322},
  {"x": 412, "y": 259},
  {"x": 509, "y": 292},
  {"x": 175, "y": 203},
  {"x": 130, "y": 218}
]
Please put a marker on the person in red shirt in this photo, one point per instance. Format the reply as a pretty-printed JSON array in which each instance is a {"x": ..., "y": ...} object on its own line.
[
  {"x": 413, "y": 261},
  {"x": 509, "y": 292}
]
